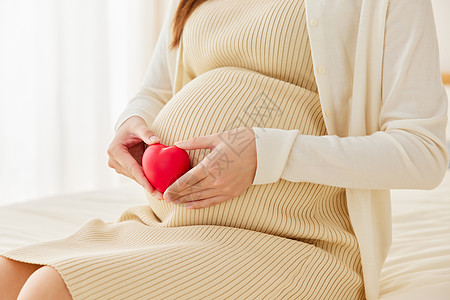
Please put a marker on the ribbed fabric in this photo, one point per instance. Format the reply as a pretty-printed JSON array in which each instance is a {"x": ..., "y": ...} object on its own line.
[{"x": 250, "y": 65}]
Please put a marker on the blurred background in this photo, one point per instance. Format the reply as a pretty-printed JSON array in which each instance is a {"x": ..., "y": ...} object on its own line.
[{"x": 67, "y": 70}]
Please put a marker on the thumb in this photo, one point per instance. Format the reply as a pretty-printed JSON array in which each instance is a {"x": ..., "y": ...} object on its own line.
[
  {"x": 201, "y": 142},
  {"x": 146, "y": 135}
]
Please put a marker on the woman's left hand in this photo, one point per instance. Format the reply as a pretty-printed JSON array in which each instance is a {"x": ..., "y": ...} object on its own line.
[{"x": 223, "y": 174}]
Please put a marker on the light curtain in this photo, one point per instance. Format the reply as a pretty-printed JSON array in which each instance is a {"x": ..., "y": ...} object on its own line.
[{"x": 67, "y": 70}]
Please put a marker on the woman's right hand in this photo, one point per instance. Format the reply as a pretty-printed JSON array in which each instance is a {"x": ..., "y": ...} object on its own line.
[{"x": 126, "y": 149}]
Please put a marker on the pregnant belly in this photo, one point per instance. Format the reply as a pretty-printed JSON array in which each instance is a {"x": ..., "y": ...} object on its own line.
[{"x": 223, "y": 99}]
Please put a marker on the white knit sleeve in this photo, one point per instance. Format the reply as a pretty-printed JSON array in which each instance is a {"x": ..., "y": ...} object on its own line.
[
  {"x": 156, "y": 89},
  {"x": 409, "y": 150}
]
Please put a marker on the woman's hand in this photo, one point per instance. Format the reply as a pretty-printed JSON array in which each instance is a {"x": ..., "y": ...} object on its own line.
[
  {"x": 223, "y": 174},
  {"x": 126, "y": 149}
]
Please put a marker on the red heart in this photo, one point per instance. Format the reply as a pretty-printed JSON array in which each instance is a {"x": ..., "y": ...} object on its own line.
[{"x": 163, "y": 165}]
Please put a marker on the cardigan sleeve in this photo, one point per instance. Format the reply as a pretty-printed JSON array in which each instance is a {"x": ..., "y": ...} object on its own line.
[
  {"x": 156, "y": 89},
  {"x": 408, "y": 151}
]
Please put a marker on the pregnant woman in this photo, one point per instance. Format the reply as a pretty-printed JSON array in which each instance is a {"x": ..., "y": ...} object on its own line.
[{"x": 298, "y": 117}]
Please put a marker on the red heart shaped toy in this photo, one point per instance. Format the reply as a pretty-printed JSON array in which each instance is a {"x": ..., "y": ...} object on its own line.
[{"x": 163, "y": 165}]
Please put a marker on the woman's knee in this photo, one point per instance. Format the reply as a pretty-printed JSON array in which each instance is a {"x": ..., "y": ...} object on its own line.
[
  {"x": 13, "y": 275},
  {"x": 45, "y": 283}
]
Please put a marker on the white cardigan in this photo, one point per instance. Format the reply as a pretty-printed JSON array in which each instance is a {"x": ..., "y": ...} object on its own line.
[{"x": 384, "y": 105}]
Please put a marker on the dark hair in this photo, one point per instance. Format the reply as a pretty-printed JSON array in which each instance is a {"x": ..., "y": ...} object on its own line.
[{"x": 184, "y": 10}]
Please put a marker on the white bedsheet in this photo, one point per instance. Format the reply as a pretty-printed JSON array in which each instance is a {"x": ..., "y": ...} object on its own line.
[
  {"x": 418, "y": 266},
  {"x": 56, "y": 217}
]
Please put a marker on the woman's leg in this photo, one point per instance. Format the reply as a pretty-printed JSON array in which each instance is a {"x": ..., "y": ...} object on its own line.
[
  {"x": 45, "y": 283},
  {"x": 13, "y": 275}
]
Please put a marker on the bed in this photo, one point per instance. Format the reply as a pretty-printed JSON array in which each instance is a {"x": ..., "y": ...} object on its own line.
[{"x": 418, "y": 266}]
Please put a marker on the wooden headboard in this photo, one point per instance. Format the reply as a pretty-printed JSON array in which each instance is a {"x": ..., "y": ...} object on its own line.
[{"x": 446, "y": 78}]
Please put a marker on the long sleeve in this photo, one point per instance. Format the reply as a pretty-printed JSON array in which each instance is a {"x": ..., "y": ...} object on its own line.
[
  {"x": 156, "y": 89},
  {"x": 409, "y": 149}
]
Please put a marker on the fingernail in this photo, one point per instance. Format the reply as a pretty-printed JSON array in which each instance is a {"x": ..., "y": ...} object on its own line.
[
  {"x": 189, "y": 205},
  {"x": 154, "y": 139},
  {"x": 180, "y": 143}
]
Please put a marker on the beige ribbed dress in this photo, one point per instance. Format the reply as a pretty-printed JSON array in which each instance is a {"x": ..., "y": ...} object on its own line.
[{"x": 250, "y": 65}]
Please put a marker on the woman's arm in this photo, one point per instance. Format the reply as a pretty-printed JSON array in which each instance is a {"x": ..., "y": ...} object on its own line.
[
  {"x": 156, "y": 89},
  {"x": 409, "y": 150},
  {"x": 133, "y": 125}
]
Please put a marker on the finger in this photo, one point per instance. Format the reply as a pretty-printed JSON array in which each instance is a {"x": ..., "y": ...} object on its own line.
[
  {"x": 139, "y": 180},
  {"x": 194, "y": 185},
  {"x": 206, "y": 202},
  {"x": 125, "y": 173},
  {"x": 193, "y": 188},
  {"x": 132, "y": 167},
  {"x": 157, "y": 194},
  {"x": 200, "y": 142},
  {"x": 195, "y": 195},
  {"x": 112, "y": 163},
  {"x": 116, "y": 167},
  {"x": 188, "y": 179},
  {"x": 119, "y": 169},
  {"x": 137, "y": 176},
  {"x": 145, "y": 134}
]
